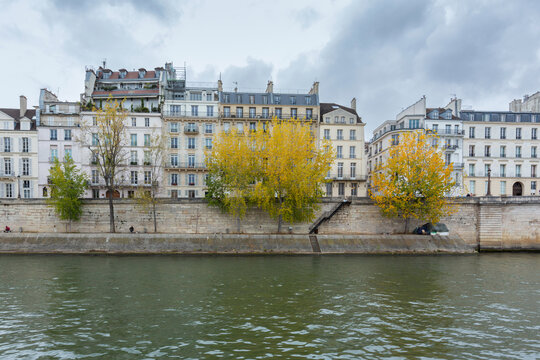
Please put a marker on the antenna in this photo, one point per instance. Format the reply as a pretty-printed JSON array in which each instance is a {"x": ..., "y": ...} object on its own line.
[
  {"x": 236, "y": 86},
  {"x": 104, "y": 62}
]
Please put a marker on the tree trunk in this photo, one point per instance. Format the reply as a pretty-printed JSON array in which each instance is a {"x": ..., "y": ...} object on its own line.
[
  {"x": 238, "y": 224},
  {"x": 406, "y": 225},
  {"x": 280, "y": 220},
  {"x": 111, "y": 211},
  {"x": 155, "y": 219}
]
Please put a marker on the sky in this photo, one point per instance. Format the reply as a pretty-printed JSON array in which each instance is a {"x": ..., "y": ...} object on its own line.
[{"x": 385, "y": 53}]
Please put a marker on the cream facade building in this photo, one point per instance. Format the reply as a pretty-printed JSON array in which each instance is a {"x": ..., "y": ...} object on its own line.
[
  {"x": 345, "y": 130},
  {"x": 501, "y": 152},
  {"x": 18, "y": 152}
]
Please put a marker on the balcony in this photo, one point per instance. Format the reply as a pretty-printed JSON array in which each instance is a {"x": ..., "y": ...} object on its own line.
[
  {"x": 133, "y": 162},
  {"x": 450, "y": 147},
  {"x": 189, "y": 114},
  {"x": 8, "y": 176},
  {"x": 191, "y": 129},
  {"x": 185, "y": 166},
  {"x": 347, "y": 178},
  {"x": 269, "y": 115}
]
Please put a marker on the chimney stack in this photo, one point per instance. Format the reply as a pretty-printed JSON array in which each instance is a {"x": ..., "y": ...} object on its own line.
[
  {"x": 353, "y": 104},
  {"x": 220, "y": 85},
  {"x": 22, "y": 102},
  {"x": 270, "y": 87},
  {"x": 314, "y": 88}
]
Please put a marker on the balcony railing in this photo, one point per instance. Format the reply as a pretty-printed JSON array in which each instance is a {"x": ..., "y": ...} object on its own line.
[
  {"x": 352, "y": 178},
  {"x": 270, "y": 115},
  {"x": 189, "y": 114},
  {"x": 191, "y": 129},
  {"x": 185, "y": 165}
]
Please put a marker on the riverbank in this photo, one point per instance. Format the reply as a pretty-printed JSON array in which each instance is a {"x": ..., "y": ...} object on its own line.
[{"x": 51, "y": 243}]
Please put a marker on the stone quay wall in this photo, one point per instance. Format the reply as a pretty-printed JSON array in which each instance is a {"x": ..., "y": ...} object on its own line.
[{"x": 494, "y": 223}]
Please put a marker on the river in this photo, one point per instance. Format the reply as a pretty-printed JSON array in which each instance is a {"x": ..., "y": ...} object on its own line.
[{"x": 256, "y": 307}]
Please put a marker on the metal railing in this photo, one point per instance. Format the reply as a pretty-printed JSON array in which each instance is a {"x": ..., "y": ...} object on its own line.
[
  {"x": 185, "y": 165},
  {"x": 189, "y": 114},
  {"x": 269, "y": 115}
]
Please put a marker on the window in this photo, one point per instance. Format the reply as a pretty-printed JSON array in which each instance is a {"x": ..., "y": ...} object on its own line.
[
  {"x": 68, "y": 152},
  {"x": 208, "y": 96},
  {"x": 278, "y": 113},
  {"x": 25, "y": 167},
  {"x": 352, "y": 152},
  {"x": 448, "y": 129},
  {"x": 133, "y": 139},
  {"x": 518, "y": 133},
  {"x": 54, "y": 153},
  {"x": 94, "y": 158},
  {"x": 293, "y": 100},
  {"x": 351, "y": 121},
  {"x": 252, "y": 126},
  {"x": 487, "y": 151},
  {"x": 447, "y": 159},
  {"x": 265, "y": 113},
  {"x": 503, "y": 133},
  {"x": 174, "y": 179},
  {"x": 146, "y": 158},
  {"x": 414, "y": 123},
  {"x": 95, "y": 193},
  {"x": 252, "y": 99},
  {"x": 174, "y": 160},
  {"x": 25, "y": 144},
  {"x": 341, "y": 189},
  {"x": 503, "y": 151},
  {"x": 327, "y": 119},
  {"x": 239, "y": 112},
  {"x": 173, "y": 127},
  {"x": 309, "y": 113},
  {"x": 191, "y": 179},
  {"x": 471, "y": 150},
  {"x": 226, "y": 98},
  {"x": 308, "y": 100},
  {"x": 9, "y": 190},
  {"x": 354, "y": 189},
  {"x": 26, "y": 189},
  {"x": 134, "y": 178},
  {"x": 239, "y": 98},
  {"x": 252, "y": 112},
  {"x": 133, "y": 121},
  {"x": 227, "y": 111},
  {"x": 277, "y": 99},
  {"x": 191, "y": 143},
  {"x": 194, "y": 110},
  {"x": 518, "y": 151},
  {"x": 352, "y": 134},
  {"x": 133, "y": 158},
  {"x": 208, "y": 143},
  {"x": 339, "y": 154},
  {"x": 533, "y": 170},
  {"x": 147, "y": 122},
  {"x": 487, "y": 169},
  {"x": 209, "y": 110},
  {"x": 329, "y": 189},
  {"x": 147, "y": 177},
  {"x": 146, "y": 139},
  {"x": 533, "y": 186},
  {"x": 340, "y": 134},
  {"x": 518, "y": 170},
  {"x": 471, "y": 132},
  {"x": 208, "y": 129},
  {"x": 94, "y": 121},
  {"x": 353, "y": 170},
  {"x": 95, "y": 177},
  {"x": 294, "y": 113},
  {"x": 533, "y": 134},
  {"x": 195, "y": 96},
  {"x": 503, "y": 187},
  {"x": 533, "y": 151},
  {"x": 54, "y": 134},
  {"x": 471, "y": 170},
  {"x": 472, "y": 186},
  {"x": 487, "y": 131},
  {"x": 174, "y": 143},
  {"x": 339, "y": 169},
  {"x": 191, "y": 160},
  {"x": 265, "y": 99},
  {"x": 327, "y": 134},
  {"x": 502, "y": 169},
  {"x": 226, "y": 127}
]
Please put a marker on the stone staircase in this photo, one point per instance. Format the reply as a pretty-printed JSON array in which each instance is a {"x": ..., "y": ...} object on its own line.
[
  {"x": 490, "y": 226},
  {"x": 327, "y": 215}
]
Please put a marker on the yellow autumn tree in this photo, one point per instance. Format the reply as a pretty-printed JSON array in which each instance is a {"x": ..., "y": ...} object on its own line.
[
  {"x": 279, "y": 169},
  {"x": 413, "y": 181}
]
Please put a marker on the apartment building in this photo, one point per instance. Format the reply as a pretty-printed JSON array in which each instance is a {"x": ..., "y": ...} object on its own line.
[
  {"x": 501, "y": 152},
  {"x": 345, "y": 130},
  {"x": 18, "y": 152},
  {"x": 58, "y": 130},
  {"x": 190, "y": 120},
  {"x": 444, "y": 122}
]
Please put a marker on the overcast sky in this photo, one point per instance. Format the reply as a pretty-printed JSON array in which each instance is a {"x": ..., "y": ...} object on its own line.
[{"x": 387, "y": 54}]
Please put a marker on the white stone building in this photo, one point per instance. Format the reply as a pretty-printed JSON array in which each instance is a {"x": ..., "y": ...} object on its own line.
[
  {"x": 345, "y": 130},
  {"x": 18, "y": 152},
  {"x": 58, "y": 130}
]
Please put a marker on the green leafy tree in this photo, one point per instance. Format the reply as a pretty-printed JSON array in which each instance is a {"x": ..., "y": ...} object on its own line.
[{"x": 67, "y": 187}]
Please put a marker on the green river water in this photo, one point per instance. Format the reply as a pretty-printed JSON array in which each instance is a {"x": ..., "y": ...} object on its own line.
[{"x": 260, "y": 307}]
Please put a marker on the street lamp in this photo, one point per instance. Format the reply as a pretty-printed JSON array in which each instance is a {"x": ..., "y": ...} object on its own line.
[
  {"x": 19, "y": 185},
  {"x": 489, "y": 183}
]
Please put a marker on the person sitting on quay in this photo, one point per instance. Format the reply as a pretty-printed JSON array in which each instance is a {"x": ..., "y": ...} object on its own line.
[{"x": 7, "y": 229}]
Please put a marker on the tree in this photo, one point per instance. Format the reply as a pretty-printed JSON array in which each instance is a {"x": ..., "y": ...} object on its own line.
[
  {"x": 106, "y": 139},
  {"x": 154, "y": 157},
  {"x": 280, "y": 170},
  {"x": 413, "y": 182},
  {"x": 67, "y": 186}
]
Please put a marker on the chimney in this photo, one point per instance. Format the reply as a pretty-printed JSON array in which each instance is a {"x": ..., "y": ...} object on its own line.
[
  {"x": 270, "y": 87},
  {"x": 220, "y": 85},
  {"x": 353, "y": 104},
  {"x": 314, "y": 88},
  {"x": 22, "y": 101}
]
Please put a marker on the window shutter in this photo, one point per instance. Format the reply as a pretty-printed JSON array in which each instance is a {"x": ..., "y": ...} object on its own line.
[
  {"x": 20, "y": 168},
  {"x": 2, "y": 168},
  {"x": 170, "y": 179},
  {"x": 187, "y": 181},
  {"x": 2, "y": 189},
  {"x": 196, "y": 180},
  {"x": 20, "y": 149},
  {"x": 1, "y": 144},
  {"x": 30, "y": 167},
  {"x": 31, "y": 189},
  {"x": 29, "y": 144},
  {"x": 196, "y": 193},
  {"x": 213, "y": 128}
]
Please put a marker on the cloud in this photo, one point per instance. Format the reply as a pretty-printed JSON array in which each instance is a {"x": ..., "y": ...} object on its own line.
[{"x": 254, "y": 75}]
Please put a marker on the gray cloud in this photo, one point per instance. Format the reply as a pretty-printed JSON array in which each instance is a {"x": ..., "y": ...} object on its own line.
[{"x": 254, "y": 75}]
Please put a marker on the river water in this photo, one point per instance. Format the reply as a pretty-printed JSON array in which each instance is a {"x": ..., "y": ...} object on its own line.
[{"x": 321, "y": 307}]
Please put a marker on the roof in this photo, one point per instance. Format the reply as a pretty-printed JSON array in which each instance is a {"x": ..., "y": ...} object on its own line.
[
  {"x": 124, "y": 92},
  {"x": 15, "y": 114},
  {"x": 115, "y": 75},
  {"x": 329, "y": 107},
  {"x": 441, "y": 110}
]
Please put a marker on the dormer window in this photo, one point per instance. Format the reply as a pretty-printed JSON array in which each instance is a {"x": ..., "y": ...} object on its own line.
[
  {"x": 123, "y": 73},
  {"x": 447, "y": 115},
  {"x": 142, "y": 73},
  {"x": 106, "y": 73},
  {"x": 434, "y": 114}
]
